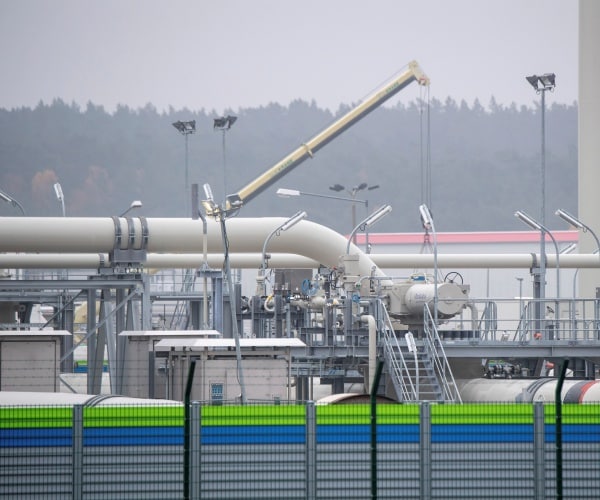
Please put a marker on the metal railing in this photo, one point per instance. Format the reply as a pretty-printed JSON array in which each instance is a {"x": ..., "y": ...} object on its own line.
[
  {"x": 396, "y": 364},
  {"x": 434, "y": 348},
  {"x": 572, "y": 320}
]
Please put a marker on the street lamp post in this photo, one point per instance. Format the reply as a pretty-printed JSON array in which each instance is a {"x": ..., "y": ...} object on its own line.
[
  {"x": 292, "y": 221},
  {"x": 574, "y": 221},
  {"x": 539, "y": 306},
  {"x": 522, "y": 216},
  {"x": 223, "y": 124},
  {"x": 541, "y": 84},
  {"x": 369, "y": 221},
  {"x": 186, "y": 129},
  {"x": 9, "y": 199}
]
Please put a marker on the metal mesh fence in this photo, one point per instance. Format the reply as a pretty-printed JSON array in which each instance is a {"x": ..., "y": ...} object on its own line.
[{"x": 422, "y": 451}]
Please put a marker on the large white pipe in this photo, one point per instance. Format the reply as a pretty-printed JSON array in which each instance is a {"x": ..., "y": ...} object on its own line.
[
  {"x": 173, "y": 235},
  {"x": 293, "y": 261},
  {"x": 483, "y": 261}
]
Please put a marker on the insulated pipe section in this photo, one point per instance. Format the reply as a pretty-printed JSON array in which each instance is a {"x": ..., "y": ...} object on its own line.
[
  {"x": 370, "y": 321},
  {"x": 286, "y": 260},
  {"x": 528, "y": 390},
  {"x": 483, "y": 261},
  {"x": 153, "y": 261},
  {"x": 173, "y": 235}
]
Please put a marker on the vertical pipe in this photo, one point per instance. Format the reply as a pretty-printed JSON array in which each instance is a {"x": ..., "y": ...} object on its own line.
[
  {"x": 374, "y": 387},
  {"x": 539, "y": 455},
  {"x": 311, "y": 450},
  {"x": 425, "y": 451},
  {"x": 77, "y": 451},
  {"x": 558, "y": 402},
  {"x": 186, "y": 431},
  {"x": 195, "y": 449}
]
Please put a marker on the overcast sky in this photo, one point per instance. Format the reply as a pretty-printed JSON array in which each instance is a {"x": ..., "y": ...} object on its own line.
[{"x": 225, "y": 54}]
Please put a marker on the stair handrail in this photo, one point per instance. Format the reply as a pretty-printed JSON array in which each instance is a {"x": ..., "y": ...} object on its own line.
[
  {"x": 401, "y": 377},
  {"x": 434, "y": 347}
]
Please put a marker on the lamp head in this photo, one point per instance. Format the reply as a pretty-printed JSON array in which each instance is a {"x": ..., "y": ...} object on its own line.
[
  {"x": 337, "y": 188},
  {"x": 522, "y": 216},
  {"x": 569, "y": 219},
  {"x": 58, "y": 190},
  {"x": 533, "y": 80},
  {"x": 287, "y": 193},
  {"x": 548, "y": 80},
  {"x": 293, "y": 220},
  {"x": 377, "y": 216},
  {"x": 426, "y": 218},
  {"x": 185, "y": 127}
]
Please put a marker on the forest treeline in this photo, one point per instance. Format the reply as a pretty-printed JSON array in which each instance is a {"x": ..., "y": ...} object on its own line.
[{"x": 474, "y": 166}]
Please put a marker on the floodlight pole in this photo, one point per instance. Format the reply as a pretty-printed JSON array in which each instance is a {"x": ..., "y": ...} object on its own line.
[
  {"x": 541, "y": 84},
  {"x": 223, "y": 124},
  {"x": 186, "y": 128}
]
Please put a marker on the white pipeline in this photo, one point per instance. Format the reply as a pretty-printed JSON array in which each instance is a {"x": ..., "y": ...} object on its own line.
[
  {"x": 176, "y": 236},
  {"x": 293, "y": 261}
]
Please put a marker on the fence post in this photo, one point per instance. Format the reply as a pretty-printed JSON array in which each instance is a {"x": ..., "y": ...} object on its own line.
[
  {"x": 425, "y": 450},
  {"x": 373, "y": 398},
  {"x": 559, "y": 450},
  {"x": 77, "y": 452},
  {"x": 186, "y": 431},
  {"x": 311, "y": 450},
  {"x": 539, "y": 444},
  {"x": 195, "y": 449}
]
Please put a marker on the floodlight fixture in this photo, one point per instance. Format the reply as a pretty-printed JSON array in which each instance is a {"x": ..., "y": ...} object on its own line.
[
  {"x": 224, "y": 122},
  {"x": 570, "y": 219},
  {"x": 541, "y": 83},
  {"x": 426, "y": 218},
  {"x": 58, "y": 190},
  {"x": 377, "y": 216},
  {"x": 287, "y": 193},
  {"x": 292, "y": 221},
  {"x": 9, "y": 199},
  {"x": 186, "y": 128},
  {"x": 523, "y": 217},
  {"x": 60, "y": 196},
  {"x": 574, "y": 221},
  {"x": 134, "y": 204},
  {"x": 369, "y": 221}
]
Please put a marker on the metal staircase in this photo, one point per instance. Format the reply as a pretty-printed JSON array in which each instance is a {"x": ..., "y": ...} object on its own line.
[{"x": 418, "y": 369}]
